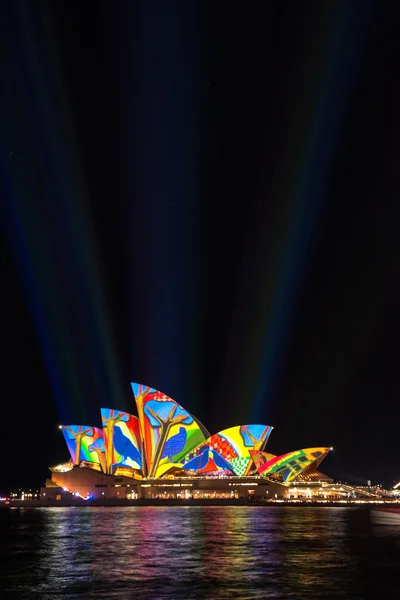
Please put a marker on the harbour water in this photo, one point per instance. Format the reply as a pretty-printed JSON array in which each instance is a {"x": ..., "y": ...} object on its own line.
[{"x": 169, "y": 553}]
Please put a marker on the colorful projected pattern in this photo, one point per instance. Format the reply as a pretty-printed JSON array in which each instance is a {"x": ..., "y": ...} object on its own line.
[
  {"x": 207, "y": 461},
  {"x": 165, "y": 438},
  {"x": 289, "y": 466},
  {"x": 232, "y": 444},
  {"x": 261, "y": 458},
  {"x": 85, "y": 443},
  {"x": 122, "y": 440},
  {"x": 167, "y": 430},
  {"x": 240, "y": 465}
]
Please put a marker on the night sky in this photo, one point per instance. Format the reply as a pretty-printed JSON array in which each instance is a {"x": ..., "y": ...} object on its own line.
[{"x": 202, "y": 196}]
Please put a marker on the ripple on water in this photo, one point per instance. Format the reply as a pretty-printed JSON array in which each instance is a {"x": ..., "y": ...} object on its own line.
[{"x": 197, "y": 552}]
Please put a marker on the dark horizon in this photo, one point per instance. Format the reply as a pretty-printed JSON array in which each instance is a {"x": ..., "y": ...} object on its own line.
[{"x": 206, "y": 201}]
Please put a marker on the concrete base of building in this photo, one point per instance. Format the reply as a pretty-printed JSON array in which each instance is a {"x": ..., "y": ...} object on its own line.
[
  {"x": 87, "y": 483},
  {"x": 71, "y": 487}
]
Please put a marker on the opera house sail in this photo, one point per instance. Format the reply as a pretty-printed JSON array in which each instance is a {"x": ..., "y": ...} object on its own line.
[{"x": 165, "y": 442}]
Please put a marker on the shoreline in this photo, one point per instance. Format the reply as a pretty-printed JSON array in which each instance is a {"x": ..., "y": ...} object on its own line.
[{"x": 81, "y": 503}]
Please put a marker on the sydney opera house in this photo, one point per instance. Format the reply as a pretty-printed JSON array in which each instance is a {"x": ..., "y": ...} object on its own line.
[{"x": 165, "y": 452}]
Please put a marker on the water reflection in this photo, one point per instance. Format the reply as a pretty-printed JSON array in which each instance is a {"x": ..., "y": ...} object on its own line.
[
  {"x": 195, "y": 552},
  {"x": 315, "y": 543}
]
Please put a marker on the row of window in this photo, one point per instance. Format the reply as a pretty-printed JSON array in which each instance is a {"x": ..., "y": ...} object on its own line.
[{"x": 104, "y": 485}]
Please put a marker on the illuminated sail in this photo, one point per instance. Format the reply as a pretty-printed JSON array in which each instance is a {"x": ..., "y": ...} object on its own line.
[
  {"x": 122, "y": 440},
  {"x": 232, "y": 446},
  {"x": 168, "y": 431},
  {"x": 290, "y": 465},
  {"x": 165, "y": 438},
  {"x": 85, "y": 443}
]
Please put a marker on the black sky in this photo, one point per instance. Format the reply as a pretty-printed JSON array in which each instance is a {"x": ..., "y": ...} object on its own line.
[{"x": 191, "y": 122}]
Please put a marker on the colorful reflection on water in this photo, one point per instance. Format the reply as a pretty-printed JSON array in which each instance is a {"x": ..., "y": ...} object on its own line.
[{"x": 196, "y": 552}]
